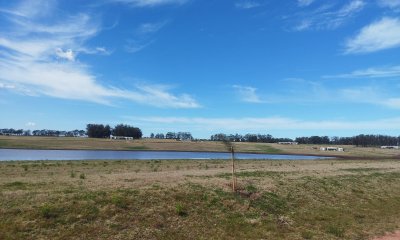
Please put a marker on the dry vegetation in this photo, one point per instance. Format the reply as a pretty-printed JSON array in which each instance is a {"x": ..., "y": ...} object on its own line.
[{"x": 329, "y": 199}]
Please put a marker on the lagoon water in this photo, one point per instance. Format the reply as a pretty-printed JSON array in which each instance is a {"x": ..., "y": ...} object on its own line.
[{"x": 28, "y": 154}]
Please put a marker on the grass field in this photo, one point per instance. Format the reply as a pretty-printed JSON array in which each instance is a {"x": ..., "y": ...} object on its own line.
[
  {"x": 173, "y": 145},
  {"x": 177, "y": 199}
]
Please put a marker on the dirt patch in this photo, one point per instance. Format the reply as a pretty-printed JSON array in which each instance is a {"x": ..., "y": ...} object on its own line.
[{"x": 389, "y": 236}]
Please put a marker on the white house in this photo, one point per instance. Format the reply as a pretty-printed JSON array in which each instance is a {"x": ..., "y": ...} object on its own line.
[
  {"x": 120, "y": 138},
  {"x": 288, "y": 143},
  {"x": 338, "y": 149},
  {"x": 390, "y": 147}
]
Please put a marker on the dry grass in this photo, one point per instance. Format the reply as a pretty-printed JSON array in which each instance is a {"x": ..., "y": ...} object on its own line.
[{"x": 178, "y": 199}]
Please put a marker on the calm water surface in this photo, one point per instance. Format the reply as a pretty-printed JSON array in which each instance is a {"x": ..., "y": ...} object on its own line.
[{"x": 27, "y": 154}]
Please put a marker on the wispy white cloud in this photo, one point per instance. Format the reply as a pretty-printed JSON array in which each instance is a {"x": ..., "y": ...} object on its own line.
[
  {"x": 377, "y": 72},
  {"x": 389, "y": 3},
  {"x": 148, "y": 28},
  {"x": 304, "y": 3},
  {"x": 379, "y": 35},
  {"x": 134, "y": 46},
  {"x": 67, "y": 54},
  {"x": 247, "y": 94},
  {"x": 270, "y": 123},
  {"x": 30, "y": 124},
  {"x": 31, "y": 8},
  {"x": 246, "y": 4},
  {"x": 326, "y": 17},
  {"x": 143, "y": 36},
  {"x": 369, "y": 95},
  {"x": 149, "y": 3},
  {"x": 39, "y": 59}
]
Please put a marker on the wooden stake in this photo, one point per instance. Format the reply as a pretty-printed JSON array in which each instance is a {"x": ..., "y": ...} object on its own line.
[{"x": 233, "y": 170}]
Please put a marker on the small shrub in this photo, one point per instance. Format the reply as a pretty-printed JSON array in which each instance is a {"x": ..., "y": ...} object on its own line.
[
  {"x": 307, "y": 235},
  {"x": 180, "y": 210},
  {"x": 82, "y": 176},
  {"x": 73, "y": 174},
  {"x": 119, "y": 201},
  {"x": 47, "y": 211},
  {"x": 25, "y": 167},
  {"x": 251, "y": 189},
  {"x": 336, "y": 231}
]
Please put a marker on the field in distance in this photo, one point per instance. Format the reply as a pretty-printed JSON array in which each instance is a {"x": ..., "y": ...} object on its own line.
[{"x": 174, "y": 145}]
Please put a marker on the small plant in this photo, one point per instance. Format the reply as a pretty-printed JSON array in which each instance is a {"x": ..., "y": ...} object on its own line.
[
  {"x": 119, "y": 201},
  {"x": 73, "y": 174},
  {"x": 82, "y": 176},
  {"x": 25, "y": 167},
  {"x": 251, "y": 189},
  {"x": 47, "y": 211},
  {"x": 307, "y": 235},
  {"x": 180, "y": 210},
  {"x": 336, "y": 231}
]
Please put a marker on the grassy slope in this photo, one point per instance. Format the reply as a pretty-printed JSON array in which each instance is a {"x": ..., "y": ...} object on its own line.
[
  {"x": 192, "y": 199},
  {"x": 172, "y": 145}
]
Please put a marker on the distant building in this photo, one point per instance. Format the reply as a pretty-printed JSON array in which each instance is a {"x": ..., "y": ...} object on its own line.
[
  {"x": 120, "y": 138},
  {"x": 390, "y": 147},
  {"x": 338, "y": 149},
  {"x": 288, "y": 143}
]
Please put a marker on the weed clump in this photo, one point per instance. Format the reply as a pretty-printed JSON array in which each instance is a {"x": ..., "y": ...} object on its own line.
[
  {"x": 180, "y": 210},
  {"x": 119, "y": 201},
  {"x": 82, "y": 176},
  {"x": 48, "y": 211}
]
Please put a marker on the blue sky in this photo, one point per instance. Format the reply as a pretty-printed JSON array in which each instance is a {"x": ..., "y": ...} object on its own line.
[{"x": 287, "y": 68}]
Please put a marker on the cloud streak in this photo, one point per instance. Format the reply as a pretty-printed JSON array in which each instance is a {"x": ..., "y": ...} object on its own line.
[
  {"x": 149, "y": 3},
  {"x": 325, "y": 17},
  {"x": 373, "y": 72},
  {"x": 247, "y": 94},
  {"x": 247, "y": 4},
  {"x": 379, "y": 35}
]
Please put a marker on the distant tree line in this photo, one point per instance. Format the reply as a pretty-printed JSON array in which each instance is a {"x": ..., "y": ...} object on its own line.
[
  {"x": 183, "y": 136},
  {"x": 359, "y": 140},
  {"x": 248, "y": 138},
  {"x": 43, "y": 132},
  {"x": 104, "y": 131}
]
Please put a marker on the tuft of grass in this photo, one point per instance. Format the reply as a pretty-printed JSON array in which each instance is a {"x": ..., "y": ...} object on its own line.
[
  {"x": 49, "y": 211},
  {"x": 82, "y": 176},
  {"x": 73, "y": 174},
  {"x": 17, "y": 185},
  {"x": 307, "y": 235},
  {"x": 180, "y": 210},
  {"x": 336, "y": 231},
  {"x": 25, "y": 167},
  {"x": 119, "y": 201}
]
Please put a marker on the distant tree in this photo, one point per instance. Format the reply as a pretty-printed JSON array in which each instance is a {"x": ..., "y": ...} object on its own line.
[
  {"x": 170, "y": 135},
  {"x": 98, "y": 130},
  {"x": 127, "y": 131},
  {"x": 152, "y": 135},
  {"x": 160, "y": 136}
]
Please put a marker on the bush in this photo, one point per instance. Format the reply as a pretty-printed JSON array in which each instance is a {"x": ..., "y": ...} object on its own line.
[
  {"x": 180, "y": 210},
  {"x": 47, "y": 211}
]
